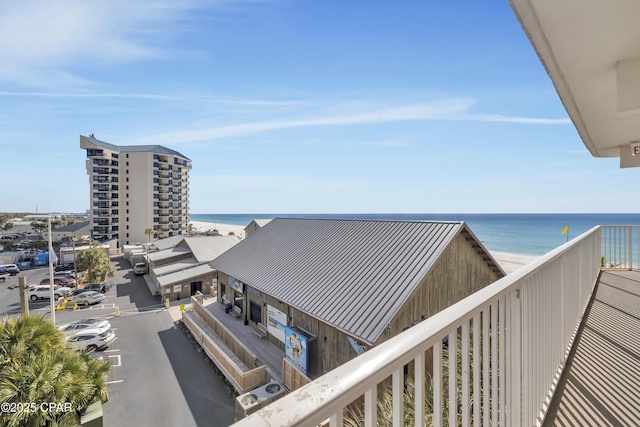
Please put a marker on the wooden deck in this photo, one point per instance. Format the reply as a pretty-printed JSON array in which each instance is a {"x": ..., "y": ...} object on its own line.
[
  {"x": 267, "y": 353},
  {"x": 601, "y": 382}
]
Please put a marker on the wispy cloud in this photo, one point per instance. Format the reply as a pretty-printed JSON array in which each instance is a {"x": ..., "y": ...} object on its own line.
[
  {"x": 260, "y": 102},
  {"x": 42, "y": 42},
  {"x": 453, "y": 109},
  {"x": 87, "y": 95},
  {"x": 510, "y": 119}
]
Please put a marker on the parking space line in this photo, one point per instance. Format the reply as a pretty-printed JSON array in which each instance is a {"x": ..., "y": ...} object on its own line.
[
  {"x": 111, "y": 351},
  {"x": 115, "y": 381},
  {"x": 119, "y": 361}
]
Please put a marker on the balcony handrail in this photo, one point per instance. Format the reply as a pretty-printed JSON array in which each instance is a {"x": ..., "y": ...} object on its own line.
[{"x": 503, "y": 308}]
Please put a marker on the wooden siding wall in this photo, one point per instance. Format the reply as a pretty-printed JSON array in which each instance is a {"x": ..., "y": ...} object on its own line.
[
  {"x": 206, "y": 279},
  {"x": 459, "y": 272},
  {"x": 292, "y": 378}
]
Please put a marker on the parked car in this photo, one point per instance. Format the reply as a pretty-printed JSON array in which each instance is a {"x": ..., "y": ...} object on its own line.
[
  {"x": 80, "y": 325},
  {"x": 92, "y": 339},
  {"x": 140, "y": 268},
  {"x": 69, "y": 273},
  {"x": 78, "y": 291},
  {"x": 12, "y": 269},
  {"x": 67, "y": 266},
  {"x": 98, "y": 286},
  {"x": 62, "y": 281},
  {"x": 44, "y": 292},
  {"x": 86, "y": 298}
]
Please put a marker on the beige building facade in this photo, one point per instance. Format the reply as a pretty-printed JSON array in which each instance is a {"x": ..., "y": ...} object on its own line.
[{"x": 134, "y": 188}]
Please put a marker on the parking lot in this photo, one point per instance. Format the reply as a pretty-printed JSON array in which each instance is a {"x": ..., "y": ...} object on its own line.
[{"x": 157, "y": 376}]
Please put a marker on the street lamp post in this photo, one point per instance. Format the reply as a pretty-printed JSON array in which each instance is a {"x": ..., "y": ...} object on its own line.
[
  {"x": 75, "y": 268},
  {"x": 51, "y": 285}
]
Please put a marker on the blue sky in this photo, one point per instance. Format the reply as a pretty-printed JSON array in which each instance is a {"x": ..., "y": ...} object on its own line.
[{"x": 296, "y": 106}]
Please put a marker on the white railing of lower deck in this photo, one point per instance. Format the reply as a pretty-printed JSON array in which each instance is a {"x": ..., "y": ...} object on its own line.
[
  {"x": 511, "y": 339},
  {"x": 620, "y": 246}
]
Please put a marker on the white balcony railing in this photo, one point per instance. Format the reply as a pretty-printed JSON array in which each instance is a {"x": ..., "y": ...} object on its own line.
[
  {"x": 620, "y": 246},
  {"x": 511, "y": 341}
]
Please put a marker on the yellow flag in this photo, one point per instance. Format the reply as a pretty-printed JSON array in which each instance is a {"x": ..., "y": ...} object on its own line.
[{"x": 565, "y": 230}]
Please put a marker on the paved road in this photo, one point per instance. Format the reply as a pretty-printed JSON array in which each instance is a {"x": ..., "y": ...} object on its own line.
[{"x": 158, "y": 377}]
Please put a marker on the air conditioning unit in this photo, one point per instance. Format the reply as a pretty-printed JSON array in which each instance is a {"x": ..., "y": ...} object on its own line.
[{"x": 248, "y": 403}]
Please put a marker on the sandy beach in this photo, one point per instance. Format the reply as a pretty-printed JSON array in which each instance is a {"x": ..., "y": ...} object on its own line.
[
  {"x": 511, "y": 262},
  {"x": 223, "y": 229}
]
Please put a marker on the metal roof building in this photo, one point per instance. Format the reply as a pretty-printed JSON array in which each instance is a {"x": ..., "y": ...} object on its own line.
[
  {"x": 355, "y": 275},
  {"x": 173, "y": 270}
]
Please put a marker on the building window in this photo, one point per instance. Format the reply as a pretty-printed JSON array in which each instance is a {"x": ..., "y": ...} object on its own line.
[
  {"x": 127, "y": 171},
  {"x": 127, "y": 233},
  {"x": 127, "y": 195},
  {"x": 127, "y": 163},
  {"x": 127, "y": 155},
  {"x": 127, "y": 179},
  {"x": 127, "y": 187}
]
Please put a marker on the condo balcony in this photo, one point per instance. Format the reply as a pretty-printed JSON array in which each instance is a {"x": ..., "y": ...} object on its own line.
[
  {"x": 553, "y": 343},
  {"x": 102, "y": 171},
  {"x": 95, "y": 153},
  {"x": 100, "y": 162}
]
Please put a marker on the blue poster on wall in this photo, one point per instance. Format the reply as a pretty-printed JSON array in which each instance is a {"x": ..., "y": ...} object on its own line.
[{"x": 296, "y": 346}]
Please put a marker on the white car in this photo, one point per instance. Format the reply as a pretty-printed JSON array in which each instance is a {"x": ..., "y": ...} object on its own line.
[
  {"x": 44, "y": 292},
  {"x": 86, "y": 298},
  {"x": 85, "y": 324},
  {"x": 92, "y": 339}
]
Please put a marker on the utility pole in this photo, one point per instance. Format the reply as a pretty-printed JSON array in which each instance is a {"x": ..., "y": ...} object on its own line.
[{"x": 24, "y": 301}]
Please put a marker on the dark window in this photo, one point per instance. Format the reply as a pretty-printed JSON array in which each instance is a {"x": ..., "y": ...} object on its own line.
[{"x": 256, "y": 312}]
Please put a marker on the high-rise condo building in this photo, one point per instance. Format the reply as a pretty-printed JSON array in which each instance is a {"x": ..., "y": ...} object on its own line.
[{"x": 135, "y": 188}]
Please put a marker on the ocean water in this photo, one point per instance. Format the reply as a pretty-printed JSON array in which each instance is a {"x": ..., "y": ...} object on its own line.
[{"x": 526, "y": 234}]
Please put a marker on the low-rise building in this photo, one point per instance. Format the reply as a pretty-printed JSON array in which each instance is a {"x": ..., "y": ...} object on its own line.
[
  {"x": 254, "y": 226},
  {"x": 182, "y": 270},
  {"x": 325, "y": 290}
]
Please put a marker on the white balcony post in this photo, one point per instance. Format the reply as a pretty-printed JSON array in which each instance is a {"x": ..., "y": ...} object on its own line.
[
  {"x": 398, "y": 397},
  {"x": 418, "y": 364}
]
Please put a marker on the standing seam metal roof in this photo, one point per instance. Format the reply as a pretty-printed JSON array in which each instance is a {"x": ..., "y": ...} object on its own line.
[
  {"x": 206, "y": 248},
  {"x": 353, "y": 274}
]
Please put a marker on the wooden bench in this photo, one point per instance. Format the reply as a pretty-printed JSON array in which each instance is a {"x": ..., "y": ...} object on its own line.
[
  {"x": 260, "y": 330},
  {"x": 236, "y": 311}
]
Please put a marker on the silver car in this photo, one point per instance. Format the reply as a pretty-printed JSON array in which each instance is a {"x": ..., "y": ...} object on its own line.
[
  {"x": 86, "y": 298},
  {"x": 92, "y": 339},
  {"x": 44, "y": 292},
  {"x": 79, "y": 325}
]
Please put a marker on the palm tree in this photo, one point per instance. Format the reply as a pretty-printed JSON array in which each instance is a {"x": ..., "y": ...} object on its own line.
[
  {"x": 149, "y": 232},
  {"x": 95, "y": 261},
  {"x": 158, "y": 234},
  {"x": 37, "y": 365},
  {"x": 38, "y": 226}
]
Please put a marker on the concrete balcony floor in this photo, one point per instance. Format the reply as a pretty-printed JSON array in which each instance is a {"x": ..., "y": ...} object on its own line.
[{"x": 601, "y": 382}]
